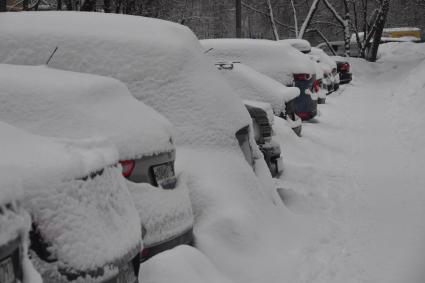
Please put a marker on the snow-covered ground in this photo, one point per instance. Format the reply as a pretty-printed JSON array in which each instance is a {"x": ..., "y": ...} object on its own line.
[
  {"x": 358, "y": 171},
  {"x": 354, "y": 182}
]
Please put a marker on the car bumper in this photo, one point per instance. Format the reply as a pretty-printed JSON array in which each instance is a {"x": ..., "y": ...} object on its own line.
[
  {"x": 53, "y": 272},
  {"x": 271, "y": 152},
  {"x": 166, "y": 214},
  {"x": 295, "y": 124},
  {"x": 186, "y": 238},
  {"x": 10, "y": 260},
  {"x": 345, "y": 78}
]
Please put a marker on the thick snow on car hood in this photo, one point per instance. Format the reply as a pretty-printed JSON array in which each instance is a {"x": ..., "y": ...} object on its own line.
[
  {"x": 73, "y": 105},
  {"x": 299, "y": 44},
  {"x": 250, "y": 84},
  {"x": 277, "y": 60},
  {"x": 320, "y": 69},
  {"x": 324, "y": 58},
  {"x": 88, "y": 223},
  {"x": 162, "y": 63}
]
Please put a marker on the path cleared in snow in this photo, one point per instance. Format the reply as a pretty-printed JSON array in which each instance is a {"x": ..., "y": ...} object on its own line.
[{"x": 354, "y": 175}]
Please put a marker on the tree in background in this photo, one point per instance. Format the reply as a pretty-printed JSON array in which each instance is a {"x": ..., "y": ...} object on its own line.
[{"x": 2, "y": 5}]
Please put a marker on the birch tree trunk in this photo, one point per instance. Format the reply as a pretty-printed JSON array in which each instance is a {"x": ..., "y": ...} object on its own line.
[
  {"x": 347, "y": 33},
  {"x": 272, "y": 22},
  {"x": 307, "y": 21},
  {"x": 2, "y": 5},
  {"x": 380, "y": 23},
  {"x": 295, "y": 19},
  {"x": 344, "y": 22}
]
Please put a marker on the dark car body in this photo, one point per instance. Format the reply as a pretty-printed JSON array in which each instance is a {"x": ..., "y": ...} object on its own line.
[
  {"x": 343, "y": 68},
  {"x": 11, "y": 257},
  {"x": 305, "y": 105}
]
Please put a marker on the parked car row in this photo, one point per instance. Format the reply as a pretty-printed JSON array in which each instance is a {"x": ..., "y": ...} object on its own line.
[{"x": 105, "y": 180}]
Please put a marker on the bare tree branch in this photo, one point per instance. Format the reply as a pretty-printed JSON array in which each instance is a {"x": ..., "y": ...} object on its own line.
[
  {"x": 307, "y": 21},
  {"x": 272, "y": 22}
]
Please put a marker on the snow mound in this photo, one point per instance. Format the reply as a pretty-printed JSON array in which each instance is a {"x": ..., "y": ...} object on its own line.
[
  {"x": 74, "y": 105},
  {"x": 299, "y": 44},
  {"x": 162, "y": 64},
  {"x": 182, "y": 264},
  {"x": 401, "y": 51},
  {"x": 88, "y": 223},
  {"x": 326, "y": 61},
  {"x": 250, "y": 84},
  {"x": 245, "y": 232},
  {"x": 276, "y": 60}
]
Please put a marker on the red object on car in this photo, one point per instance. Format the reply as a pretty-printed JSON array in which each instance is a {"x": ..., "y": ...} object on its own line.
[
  {"x": 302, "y": 77},
  {"x": 127, "y": 167},
  {"x": 345, "y": 67},
  {"x": 316, "y": 86},
  {"x": 303, "y": 115}
]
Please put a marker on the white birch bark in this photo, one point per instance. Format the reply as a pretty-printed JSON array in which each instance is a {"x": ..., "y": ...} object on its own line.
[
  {"x": 307, "y": 20},
  {"x": 272, "y": 22}
]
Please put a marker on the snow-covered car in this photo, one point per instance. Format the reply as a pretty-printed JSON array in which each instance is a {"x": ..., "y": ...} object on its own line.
[
  {"x": 262, "y": 121},
  {"x": 338, "y": 48},
  {"x": 319, "y": 85},
  {"x": 85, "y": 227},
  {"x": 277, "y": 60},
  {"x": 15, "y": 224},
  {"x": 164, "y": 66},
  {"x": 253, "y": 85},
  {"x": 329, "y": 80},
  {"x": 343, "y": 69},
  {"x": 66, "y": 104}
]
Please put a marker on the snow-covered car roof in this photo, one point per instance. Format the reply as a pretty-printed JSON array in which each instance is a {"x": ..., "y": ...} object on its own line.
[
  {"x": 276, "y": 60},
  {"x": 88, "y": 222},
  {"x": 324, "y": 58},
  {"x": 253, "y": 85},
  {"x": 162, "y": 64},
  {"x": 80, "y": 106},
  {"x": 299, "y": 44}
]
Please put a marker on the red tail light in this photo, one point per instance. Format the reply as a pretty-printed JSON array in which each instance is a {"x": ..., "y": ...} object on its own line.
[
  {"x": 127, "y": 167},
  {"x": 316, "y": 86},
  {"x": 345, "y": 67},
  {"x": 144, "y": 253},
  {"x": 302, "y": 77},
  {"x": 304, "y": 115}
]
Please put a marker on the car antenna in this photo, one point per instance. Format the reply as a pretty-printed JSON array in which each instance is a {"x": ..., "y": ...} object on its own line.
[
  {"x": 51, "y": 55},
  {"x": 206, "y": 51}
]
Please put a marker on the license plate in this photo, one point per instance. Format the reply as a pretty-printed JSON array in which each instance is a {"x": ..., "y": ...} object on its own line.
[
  {"x": 279, "y": 164},
  {"x": 7, "y": 272},
  {"x": 163, "y": 173},
  {"x": 126, "y": 274}
]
